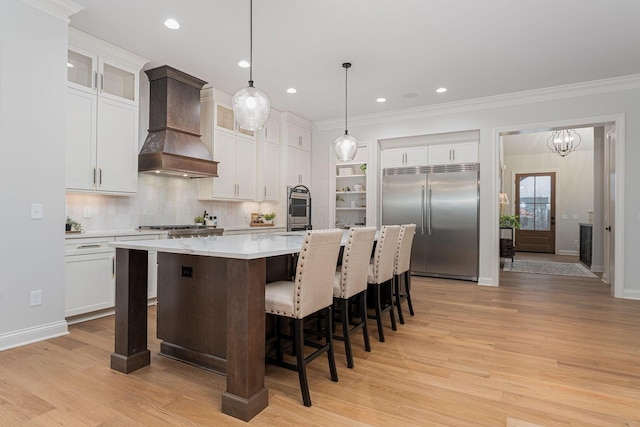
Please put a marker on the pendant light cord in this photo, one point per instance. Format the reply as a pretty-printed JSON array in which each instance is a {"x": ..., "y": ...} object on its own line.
[
  {"x": 346, "y": 66},
  {"x": 251, "y": 43}
]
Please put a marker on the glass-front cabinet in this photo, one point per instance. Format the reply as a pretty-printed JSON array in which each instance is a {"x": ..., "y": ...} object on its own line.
[
  {"x": 90, "y": 72},
  {"x": 102, "y": 116}
]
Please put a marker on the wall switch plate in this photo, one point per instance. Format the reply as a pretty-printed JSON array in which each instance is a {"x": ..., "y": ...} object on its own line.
[
  {"x": 565, "y": 216},
  {"x": 36, "y": 211},
  {"x": 35, "y": 298}
]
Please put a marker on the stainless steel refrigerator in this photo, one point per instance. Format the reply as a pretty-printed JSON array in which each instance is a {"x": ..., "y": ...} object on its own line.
[{"x": 443, "y": 202}]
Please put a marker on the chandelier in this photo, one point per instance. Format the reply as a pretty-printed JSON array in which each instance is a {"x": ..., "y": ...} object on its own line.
[{"x": 563, "y": 142}]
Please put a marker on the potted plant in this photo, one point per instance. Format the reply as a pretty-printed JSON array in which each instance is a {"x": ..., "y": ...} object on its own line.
[
  {"x": 509, "y": 221},
  {"x": 363, "y": 168},
  {"x": 199, "y": 220},
  {"x": 269, "y": 217},
  {"x": 72, "y": 225}
]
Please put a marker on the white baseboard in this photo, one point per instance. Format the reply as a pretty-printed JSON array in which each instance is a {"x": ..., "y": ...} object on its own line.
[
  {"x": 631, "y": 294},
  {"x": 597, "y": 268},
  {"x": 570, "y": 253},
  {"x": 30, "y": 335},
  {"x": 486, "y": 281}
]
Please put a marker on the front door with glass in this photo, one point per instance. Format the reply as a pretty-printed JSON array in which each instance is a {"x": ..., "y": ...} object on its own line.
[{"x": 535, "y": 199}]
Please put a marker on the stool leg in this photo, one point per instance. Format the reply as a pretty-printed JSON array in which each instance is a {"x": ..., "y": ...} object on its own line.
[
  {"x": 407, "y": 280},
  {"x": 329, "y": 338},
  {"x": 298, "y": 338},
  {"x": 363, "y": 314},
  {"x": 344, "y": 304},
  {"x": 394, "y": 327},
  {"x": 398, "y": 299},
  {"x": 378, "y": 307}
]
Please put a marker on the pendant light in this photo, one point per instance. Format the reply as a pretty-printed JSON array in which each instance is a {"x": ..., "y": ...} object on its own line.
[
  {"x": 250, "y": 105},
  {"x": 345, "y": 145},
  {"x": 563, "y": 142}
]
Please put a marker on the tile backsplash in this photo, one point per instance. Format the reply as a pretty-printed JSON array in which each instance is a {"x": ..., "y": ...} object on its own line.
[{"x": 160, "y": 200}]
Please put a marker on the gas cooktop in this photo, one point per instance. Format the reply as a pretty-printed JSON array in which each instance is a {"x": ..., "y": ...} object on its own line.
[{"x": 173, "y": 227}]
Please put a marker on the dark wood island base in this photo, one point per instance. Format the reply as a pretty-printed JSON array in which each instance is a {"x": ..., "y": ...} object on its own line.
[{"x": 232, "y": 333}]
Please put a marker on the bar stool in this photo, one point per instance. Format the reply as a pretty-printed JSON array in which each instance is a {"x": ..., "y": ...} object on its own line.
[
  {"x": 402, "y": 268},
  {"x": 380, "y": 275},
  {"x": 311, "y": 291},
  {"x": 351, "y": 281}
]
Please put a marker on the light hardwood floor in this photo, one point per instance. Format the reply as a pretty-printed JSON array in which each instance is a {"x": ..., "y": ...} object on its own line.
[{"x": 538, "y": 350}]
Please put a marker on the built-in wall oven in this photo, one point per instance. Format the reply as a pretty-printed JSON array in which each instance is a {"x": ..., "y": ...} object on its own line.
[{"x": 299, "y": 208}]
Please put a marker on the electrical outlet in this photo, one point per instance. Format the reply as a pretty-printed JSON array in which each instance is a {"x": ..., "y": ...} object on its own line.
[
  {"x": 576, "y": 243},
  {"x": 35, "y": 298},
  {"x": 86, "y": 212}
]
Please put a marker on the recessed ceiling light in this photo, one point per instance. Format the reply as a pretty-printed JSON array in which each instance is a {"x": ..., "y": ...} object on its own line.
[
  {"x": 409, "y": 95},
  {"x": 243, "y": 64},
  {"x": 171, "y": 24},
  {"x": 381, "y": 100},
  {"x": 441, "y": 90},
  {"x": 291, "y": 90},
  {"x": 69, "y": 65}
]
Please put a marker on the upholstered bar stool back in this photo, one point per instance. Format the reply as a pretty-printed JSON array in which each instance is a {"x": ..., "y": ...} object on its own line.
[
  {"x": 309, "y": 292},
  {"x": 402, "y": 273},
  {"x": 351, "y": 280},
  {"x": 381, "y": 274}
]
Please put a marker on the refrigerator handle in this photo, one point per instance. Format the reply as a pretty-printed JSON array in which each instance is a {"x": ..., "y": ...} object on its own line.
[
  {"x": 422, "y": 208},
  {"x": 429, "y": 213}
]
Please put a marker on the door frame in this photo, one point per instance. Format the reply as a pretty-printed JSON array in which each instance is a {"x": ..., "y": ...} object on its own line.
[{"x": 618, "y": 120}]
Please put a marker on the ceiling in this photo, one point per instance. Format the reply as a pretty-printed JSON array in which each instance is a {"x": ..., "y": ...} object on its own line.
[{"x": 402, "y": 50}]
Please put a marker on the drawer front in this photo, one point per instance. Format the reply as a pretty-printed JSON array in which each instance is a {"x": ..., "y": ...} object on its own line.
[{"x": 87, "y": 245}]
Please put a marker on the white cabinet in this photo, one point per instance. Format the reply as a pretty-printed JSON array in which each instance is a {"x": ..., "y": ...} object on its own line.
[
  {"x": 463, "y": 152},
  {"x": 271, "y": 131},
  {"x": 269, "y": 162},
  {"x": 90, "y": 276},
  {"x": 298, "y": 170},
  {"x": 270, "y": 171},
  {"x": 102, "y": 116},
  {"x": 404, "y": 157},
  {"x": 297, "y": 151},
  {"x": 90, "y": 270},
  {"x": 298, "y": 136},
  {"x": 232, "y": 147}
]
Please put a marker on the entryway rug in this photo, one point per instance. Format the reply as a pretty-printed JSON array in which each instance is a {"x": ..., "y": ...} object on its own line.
[{"x": 546, "y": 267}]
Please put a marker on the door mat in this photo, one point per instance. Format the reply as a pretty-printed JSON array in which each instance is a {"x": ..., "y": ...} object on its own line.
[{"x": 546, "y": 267}]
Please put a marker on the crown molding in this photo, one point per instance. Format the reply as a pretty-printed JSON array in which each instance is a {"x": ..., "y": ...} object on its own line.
[
  {"x": 60, "y": 9},
  {"x": 595, "y": 87}
]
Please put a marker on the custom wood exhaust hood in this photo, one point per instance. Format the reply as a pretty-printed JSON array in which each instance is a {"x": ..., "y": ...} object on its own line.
[{"x": 173, "y": 145}]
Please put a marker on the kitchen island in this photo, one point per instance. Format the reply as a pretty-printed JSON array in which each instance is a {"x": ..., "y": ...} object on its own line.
[{"x": 234, "y": 269}]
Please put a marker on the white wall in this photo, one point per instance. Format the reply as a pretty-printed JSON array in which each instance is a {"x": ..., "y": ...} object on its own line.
[
  {"x": 574, "y": 182},
  {"x": 579, "y": 104},
  {"x": 33, "y": 54}
]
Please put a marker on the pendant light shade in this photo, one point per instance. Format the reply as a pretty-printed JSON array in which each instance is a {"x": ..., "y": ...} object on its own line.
[
  {"x": 345, "y": 145},
  {"x": 250, "y": 105}
]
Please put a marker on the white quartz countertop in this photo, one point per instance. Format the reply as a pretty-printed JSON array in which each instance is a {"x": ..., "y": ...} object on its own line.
[
  {"x": 239, "y": 246},
  {"x": 110, "y": 233}
]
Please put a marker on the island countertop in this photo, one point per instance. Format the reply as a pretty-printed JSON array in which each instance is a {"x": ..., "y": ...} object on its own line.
[{"x": 240, "y": 246}]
